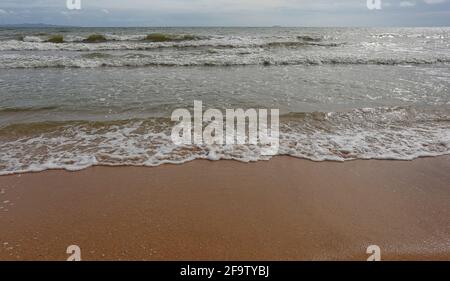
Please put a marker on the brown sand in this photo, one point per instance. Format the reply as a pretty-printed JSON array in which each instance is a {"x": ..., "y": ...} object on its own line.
[{"x": 283, "y": 209}]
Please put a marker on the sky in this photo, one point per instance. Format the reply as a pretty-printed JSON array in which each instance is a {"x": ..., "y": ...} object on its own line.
[{"x": 227, "y": 13}]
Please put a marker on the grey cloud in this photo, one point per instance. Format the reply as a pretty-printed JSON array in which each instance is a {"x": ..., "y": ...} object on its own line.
[{"x": 227, "y": 12}]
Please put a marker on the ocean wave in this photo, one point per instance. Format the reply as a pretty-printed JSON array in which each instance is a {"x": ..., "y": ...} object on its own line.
[
  {"x": 32, "y": 43},
  {"x": 155, "y": 37},
  {"x": 296, "y": 44},
  {"x": 26, "y": 109},
  {"x": 309, "y": 38},
  {"x": 367, "y": 133},
  {"x": 212, "y": 57}
]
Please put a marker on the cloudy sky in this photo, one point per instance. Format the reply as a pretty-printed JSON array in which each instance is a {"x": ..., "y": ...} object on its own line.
[{"x": 227, "y": 13}]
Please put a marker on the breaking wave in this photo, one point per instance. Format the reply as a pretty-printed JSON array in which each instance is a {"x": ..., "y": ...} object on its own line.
[
  {"x": 39, "y": 44},
  {"x": 369, "y": 133},
  {"x": 236, "y": 57},
  {"x": 81, "y": 50}
]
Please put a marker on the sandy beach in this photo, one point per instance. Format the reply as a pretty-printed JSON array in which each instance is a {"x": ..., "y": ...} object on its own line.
[{"x": 282, "y": 209}]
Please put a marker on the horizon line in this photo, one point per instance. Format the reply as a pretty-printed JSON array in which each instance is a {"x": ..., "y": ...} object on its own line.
[{"x": 220, "y": 26}]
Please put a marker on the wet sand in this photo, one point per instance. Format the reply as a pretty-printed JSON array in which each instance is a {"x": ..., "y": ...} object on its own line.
[{"x": 282, "y": 209}]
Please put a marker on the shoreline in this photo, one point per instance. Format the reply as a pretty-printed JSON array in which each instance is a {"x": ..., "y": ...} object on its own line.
[
  {"x": 282, "y": 209},
  {"x": 62, "y": 169}
]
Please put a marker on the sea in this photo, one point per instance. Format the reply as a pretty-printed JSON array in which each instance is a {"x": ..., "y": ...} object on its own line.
[{"x": 68, "y": 101}]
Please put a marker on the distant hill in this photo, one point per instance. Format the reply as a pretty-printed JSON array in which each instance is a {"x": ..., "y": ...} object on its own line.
[{"x": 31, "y": 25}]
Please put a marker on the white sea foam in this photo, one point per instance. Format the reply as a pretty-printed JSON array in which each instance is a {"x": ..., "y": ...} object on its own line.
[
  {"x": 28, "y": 39},
  {"x": 242, "y": 56},
  {"x": 381, "y": 133}
]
